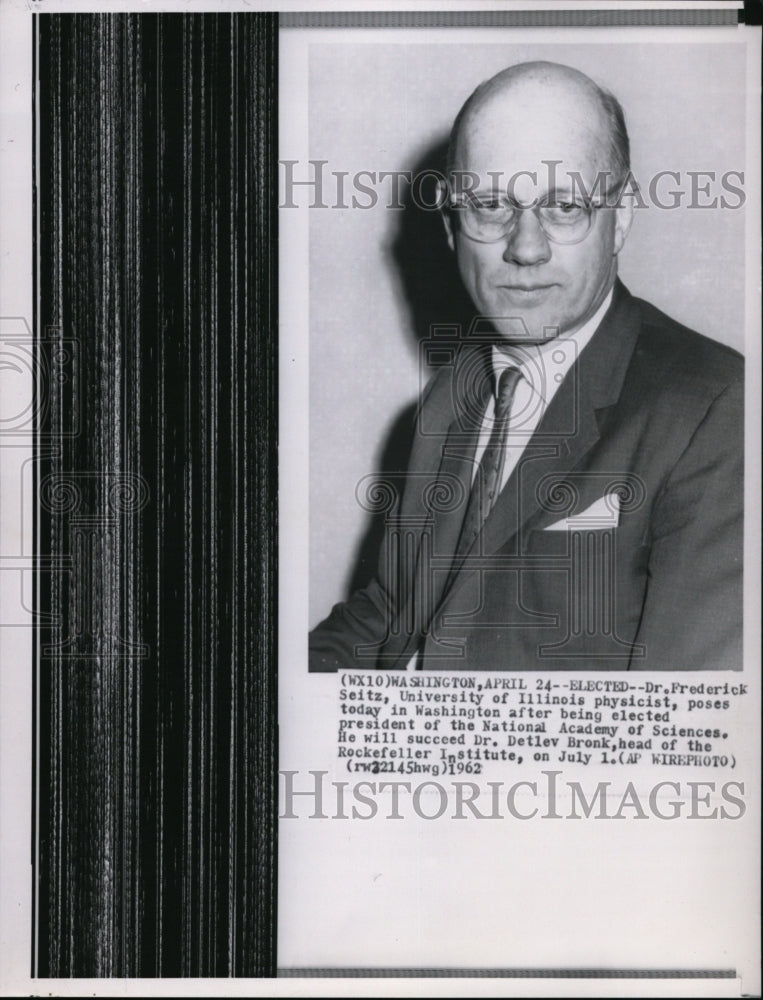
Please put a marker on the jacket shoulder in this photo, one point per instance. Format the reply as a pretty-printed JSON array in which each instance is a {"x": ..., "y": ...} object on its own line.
[
  {"x": 458, "y": 387},
  {"x": 683, "y": 358}
]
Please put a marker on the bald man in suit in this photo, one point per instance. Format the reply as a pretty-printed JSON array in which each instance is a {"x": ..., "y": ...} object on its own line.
[{"x": 573, "y": 499}]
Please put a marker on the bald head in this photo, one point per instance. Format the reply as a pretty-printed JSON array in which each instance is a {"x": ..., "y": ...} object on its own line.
[
  {"x": 552, "y": 100},
  {"x": 534, "y": 150}
]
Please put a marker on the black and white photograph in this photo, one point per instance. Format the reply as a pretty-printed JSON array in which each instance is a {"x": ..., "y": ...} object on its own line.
[
  {"x": 380, "y": 395},
  {"x": 605, "y": 531},
  {"x": 527, "y": 356}
]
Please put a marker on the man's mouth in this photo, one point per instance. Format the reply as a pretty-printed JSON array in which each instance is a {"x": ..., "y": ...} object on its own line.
[{"x": 527, "y": 291}]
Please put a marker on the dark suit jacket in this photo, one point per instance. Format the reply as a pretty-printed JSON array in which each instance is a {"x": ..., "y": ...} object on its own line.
[{"x": 651, "y": 411}]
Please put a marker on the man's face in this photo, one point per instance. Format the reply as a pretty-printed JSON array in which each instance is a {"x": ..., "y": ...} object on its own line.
[{"x": 525, "y": 278}]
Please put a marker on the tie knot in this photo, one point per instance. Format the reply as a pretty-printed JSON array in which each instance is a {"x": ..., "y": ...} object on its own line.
[{"x": 504, "y": 394}]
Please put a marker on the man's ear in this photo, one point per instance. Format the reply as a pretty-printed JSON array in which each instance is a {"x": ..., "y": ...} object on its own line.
[
  {"x": 447, "y": 221},
  {"x": 623, "y": 221}
]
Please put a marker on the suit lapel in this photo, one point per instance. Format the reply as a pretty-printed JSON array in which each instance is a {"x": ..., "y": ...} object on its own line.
[
  {"x": 470, "y": 391},
  {"x": 437, "y": 489},
  {"x": 570, "y": 426},
  {"x": 568, "y": 430}
]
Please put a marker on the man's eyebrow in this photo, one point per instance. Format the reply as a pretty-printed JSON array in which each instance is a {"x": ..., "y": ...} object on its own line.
[
  {"x": 559, "y": 192},
  {"x": 553, "y": 194}
]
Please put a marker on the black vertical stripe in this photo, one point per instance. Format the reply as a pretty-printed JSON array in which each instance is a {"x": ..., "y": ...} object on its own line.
[{"x": 157, "y": 448}]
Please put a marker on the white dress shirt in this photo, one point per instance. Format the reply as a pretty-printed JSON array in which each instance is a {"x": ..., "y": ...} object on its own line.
[{"x": 543, "y": 368}]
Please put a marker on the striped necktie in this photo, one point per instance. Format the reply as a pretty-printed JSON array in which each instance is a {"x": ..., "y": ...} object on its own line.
[{"x": 487, "y": 482}]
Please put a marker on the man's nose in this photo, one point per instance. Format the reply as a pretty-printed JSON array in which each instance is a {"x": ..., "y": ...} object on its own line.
[{"x": 527, "y": 243}]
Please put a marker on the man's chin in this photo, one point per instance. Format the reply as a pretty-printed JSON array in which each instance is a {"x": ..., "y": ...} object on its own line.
[{"x": 523, "y": 330}]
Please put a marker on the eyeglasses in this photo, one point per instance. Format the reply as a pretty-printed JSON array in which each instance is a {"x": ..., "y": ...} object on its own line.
[{"x": 487, "y": 218}]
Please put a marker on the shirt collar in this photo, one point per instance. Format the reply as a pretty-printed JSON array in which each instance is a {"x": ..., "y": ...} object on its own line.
[{"x": 545, "y": 365}]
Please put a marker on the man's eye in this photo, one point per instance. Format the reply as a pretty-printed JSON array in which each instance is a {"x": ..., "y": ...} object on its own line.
[
  {"x": 488, "y": 205},
  {"x": 563, "y": 211},
  {"x": 566, "y": 207}
]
